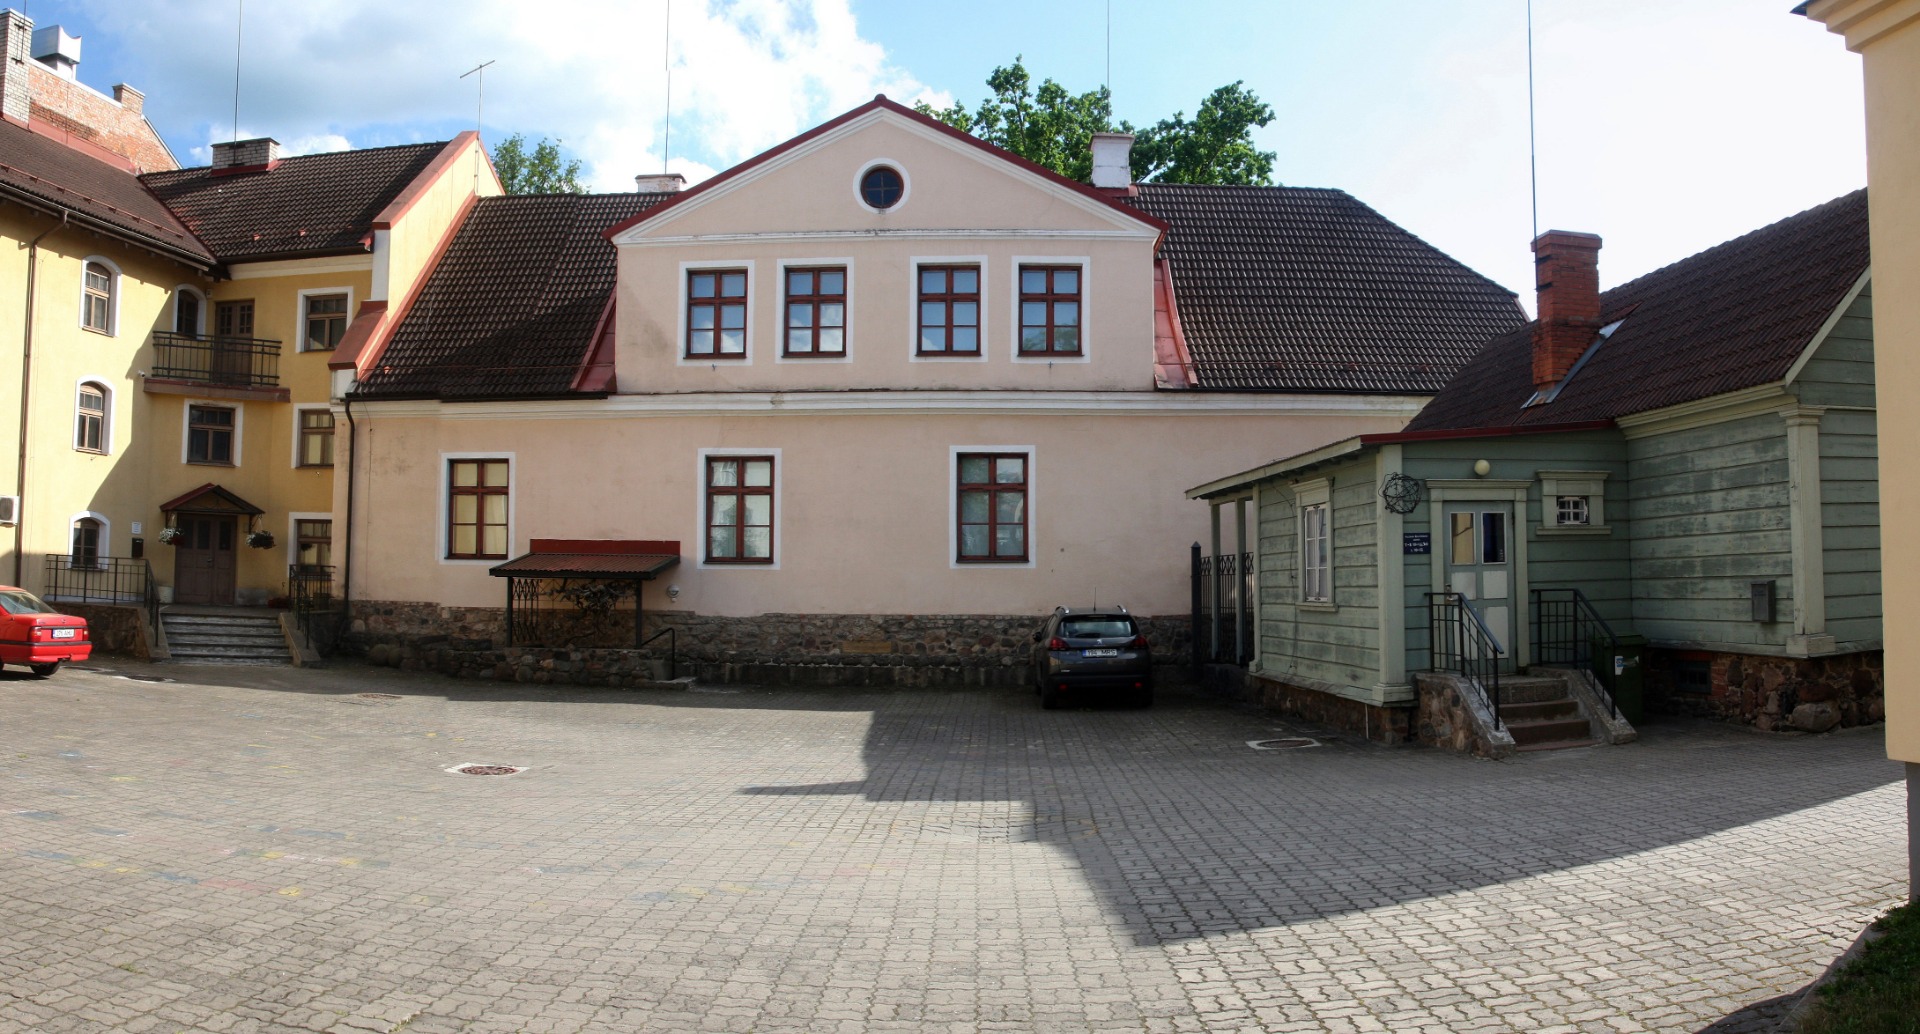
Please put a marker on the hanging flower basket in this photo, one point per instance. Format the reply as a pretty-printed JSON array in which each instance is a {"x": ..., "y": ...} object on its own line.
[
  {"x": 171, "y": 536},
  {"x": 260, "y": 539}
]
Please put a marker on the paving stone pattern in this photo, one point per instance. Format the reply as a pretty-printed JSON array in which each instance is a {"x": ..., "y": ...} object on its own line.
[{"x": 267, "y": 850}]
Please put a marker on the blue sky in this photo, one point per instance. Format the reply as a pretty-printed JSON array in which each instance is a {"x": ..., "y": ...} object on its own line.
[{"x": 1665, "y": 125}]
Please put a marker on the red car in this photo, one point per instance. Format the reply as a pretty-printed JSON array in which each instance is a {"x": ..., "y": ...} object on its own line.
[{"x": 36, "y": 635}]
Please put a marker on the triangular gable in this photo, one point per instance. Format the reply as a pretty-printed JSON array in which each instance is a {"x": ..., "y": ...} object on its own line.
[
  {"x": 1090, "y": 197},
  {"x": 210, "y": 498}
]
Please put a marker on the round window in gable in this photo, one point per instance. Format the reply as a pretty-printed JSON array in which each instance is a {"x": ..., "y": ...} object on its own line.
[{"x": 882, "y": 187}]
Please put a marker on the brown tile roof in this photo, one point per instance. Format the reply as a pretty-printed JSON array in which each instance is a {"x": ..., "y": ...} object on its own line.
[
  {"x": 511, "y": 309},
  {"x": 1734, "y": 316},
  {"x": 315, "y": 204},
  {"x": 1305, "y": 289},
  {"x": 46, "y": 174}
]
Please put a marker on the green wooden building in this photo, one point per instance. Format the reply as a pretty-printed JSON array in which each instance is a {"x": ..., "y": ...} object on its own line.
[{"x": 1689, "y": 458}]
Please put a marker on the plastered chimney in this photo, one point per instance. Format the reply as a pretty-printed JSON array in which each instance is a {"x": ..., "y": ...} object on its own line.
[
  {"x": 660, "y": 183},
  {"x": 1567, "y": 276},
  {"x": 1112, "y": 161}
]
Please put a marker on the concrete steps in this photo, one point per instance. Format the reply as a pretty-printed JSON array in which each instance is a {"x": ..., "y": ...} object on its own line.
[
  {"x": 241, "y": 638},
  {"x": 1540, "y": 714}
]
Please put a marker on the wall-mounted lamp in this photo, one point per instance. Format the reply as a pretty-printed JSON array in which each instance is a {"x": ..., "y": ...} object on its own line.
[
  {"x": 1481, "y": 468},
  {"x": 673, "y": 592}
]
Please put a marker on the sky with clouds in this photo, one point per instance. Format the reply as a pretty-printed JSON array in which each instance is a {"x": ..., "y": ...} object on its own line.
[{"x": 1666, "y": 126}]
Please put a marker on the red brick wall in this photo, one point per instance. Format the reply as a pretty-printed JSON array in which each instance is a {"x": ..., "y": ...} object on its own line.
[{"x": 87, "y": 115}]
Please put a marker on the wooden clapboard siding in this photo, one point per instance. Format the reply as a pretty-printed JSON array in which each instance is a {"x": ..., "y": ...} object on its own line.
[
  {"x": 1710, "y": 513},
  {"x": 1340, "y": 644},
  {"x": 1850, "y": 524},
  {"x": 1841, "y": 370}
]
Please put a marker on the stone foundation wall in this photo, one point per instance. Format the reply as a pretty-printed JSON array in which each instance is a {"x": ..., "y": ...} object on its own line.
[
  {"x": 1811, "y": 694},
  {"x": 906, "y": 651},
  {"x": 1452, "y": 715},
  {"x": 1389, "y": 725},
  {"x": 112, "y": 629}
]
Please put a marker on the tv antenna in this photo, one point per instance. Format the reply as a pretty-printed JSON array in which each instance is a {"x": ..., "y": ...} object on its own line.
[
  {"x": 666, "y": 61},
  {"x": 480, "y": 102},
  {"x": 239, "y": 23},
  {"x": 1533, "y": 145}
]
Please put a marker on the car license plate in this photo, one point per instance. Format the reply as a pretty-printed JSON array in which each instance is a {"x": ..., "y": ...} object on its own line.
[
  {"x": 1100, "y": 653},
  {"x": 64, "y": 633}
]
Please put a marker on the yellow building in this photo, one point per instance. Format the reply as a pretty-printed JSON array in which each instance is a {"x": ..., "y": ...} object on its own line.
[{"x": 1886, "y": 33}]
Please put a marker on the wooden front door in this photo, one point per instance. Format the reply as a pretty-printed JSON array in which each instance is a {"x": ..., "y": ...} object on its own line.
[
  {"x": 1479, "y": 553},
  {"x": 203, "y": 564}
]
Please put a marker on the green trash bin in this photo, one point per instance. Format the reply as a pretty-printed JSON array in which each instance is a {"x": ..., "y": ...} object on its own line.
[{"x": 1619, "y": 665}]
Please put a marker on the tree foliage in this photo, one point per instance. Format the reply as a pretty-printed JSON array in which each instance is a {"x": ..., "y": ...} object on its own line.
[
  {"x": 1053, "y": 127},
  {"x": 540, "y": 171}
]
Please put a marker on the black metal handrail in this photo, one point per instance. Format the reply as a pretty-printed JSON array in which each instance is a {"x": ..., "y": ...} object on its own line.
[
  {"x": 122, "y": 581},
  {"x": 673, "y": 648},
  {"x": 315, "y": 608},
  {"x": 1565, "y": 626},
  {"x": 238, "y": 362},
  {"x": 1460, "y": 641}
]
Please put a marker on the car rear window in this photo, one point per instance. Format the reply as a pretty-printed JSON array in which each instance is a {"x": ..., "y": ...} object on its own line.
[
  {"x": 23, "y": 603},
  {"x": 1096, "y": 627}
]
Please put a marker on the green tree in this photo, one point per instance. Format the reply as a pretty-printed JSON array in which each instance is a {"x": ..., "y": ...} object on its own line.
[
  {"x": 1053, "y": 127},
  {"x": 540, "y": 171}
]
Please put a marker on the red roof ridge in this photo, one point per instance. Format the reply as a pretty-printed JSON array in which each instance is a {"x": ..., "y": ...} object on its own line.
[{"x": 881, "y": 102}]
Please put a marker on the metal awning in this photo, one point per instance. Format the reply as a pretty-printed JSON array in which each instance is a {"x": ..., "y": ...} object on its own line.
[{"x": 613, "y": 560}]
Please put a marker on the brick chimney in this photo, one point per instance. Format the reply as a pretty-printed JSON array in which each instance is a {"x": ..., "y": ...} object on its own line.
[
  {"x": 130, "y": 99},
  {"x": 16, "y": 43},
  {"x": 246, "y": 155},
  {"x": 1567, "y": 275}
]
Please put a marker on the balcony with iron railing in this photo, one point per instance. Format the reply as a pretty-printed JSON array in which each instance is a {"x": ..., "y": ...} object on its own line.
[{"x": 250, "y": 365}]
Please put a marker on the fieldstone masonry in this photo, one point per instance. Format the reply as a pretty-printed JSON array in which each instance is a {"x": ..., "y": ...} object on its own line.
[
  {"x": 1811, "y": 694},
  {"x": 884, "y": 650}
]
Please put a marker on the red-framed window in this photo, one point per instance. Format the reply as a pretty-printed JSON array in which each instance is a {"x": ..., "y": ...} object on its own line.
[
  {"x": 992, "y": 510},
  {"x": 816, "y": 312},
  {"x": 740, "y": 509},
  {"x": 1050, "y": 310},
  {"x": 717, "y": 314},
  {"x": 477, "y": 496},
  {"x": 949, "y": 311}
]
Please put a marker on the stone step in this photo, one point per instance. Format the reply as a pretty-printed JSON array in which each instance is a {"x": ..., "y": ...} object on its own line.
[
  {"x": 210, "y": 621},
  {"x": 221, "y": 635},
  {"x": 256, "y": 661},
  {"x": 1541, "y": 709},
  {"x": 226, "y": 650},
  {"x": 1525, "y": 689},
  {"x": 1549, "y": 731},
  {"x": 1556, "y": 744}
]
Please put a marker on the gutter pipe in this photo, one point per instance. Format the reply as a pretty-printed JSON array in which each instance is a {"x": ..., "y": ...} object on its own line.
[{"x": 26, "y": 403}]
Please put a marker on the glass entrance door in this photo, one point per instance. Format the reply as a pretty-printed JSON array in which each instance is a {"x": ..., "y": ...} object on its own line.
[{"x": 1480, "y": 566}]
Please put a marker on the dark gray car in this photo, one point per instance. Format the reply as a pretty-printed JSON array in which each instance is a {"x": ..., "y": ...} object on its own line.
[{"x": 1088, "y": 654}]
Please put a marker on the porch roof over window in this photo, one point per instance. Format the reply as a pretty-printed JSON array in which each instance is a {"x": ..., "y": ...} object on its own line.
[{"x": 613, "y": 559}]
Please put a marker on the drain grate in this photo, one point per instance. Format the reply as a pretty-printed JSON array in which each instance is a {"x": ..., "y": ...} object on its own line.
[
  {"x": 378, "y": 696},
  {"x": 486, "y": 770},
  {"x": 1290, "y": 743},
  {"x": 145, "y": 678}
]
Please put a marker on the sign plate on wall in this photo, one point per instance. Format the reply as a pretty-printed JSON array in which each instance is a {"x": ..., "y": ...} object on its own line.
[{"x": 1417, "y": 543}]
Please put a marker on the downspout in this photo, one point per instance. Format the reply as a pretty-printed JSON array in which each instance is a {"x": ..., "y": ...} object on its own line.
[
  {"x": 346, "y": 554},
  {"x": 26, "y": 408}
]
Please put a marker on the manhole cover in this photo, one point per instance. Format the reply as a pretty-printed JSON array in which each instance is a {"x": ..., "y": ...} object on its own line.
[
  {"x": 1291, "y": 743},
  {"x": 144, "y": 678},
  {"x": 492, "y": 770},
  {"x": 378, "y": 696}
]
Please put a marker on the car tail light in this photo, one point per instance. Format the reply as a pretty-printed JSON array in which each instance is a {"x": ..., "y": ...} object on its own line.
[
  {"x": 1056, "y": 643},
  {"x": 1139, "y": 642}
]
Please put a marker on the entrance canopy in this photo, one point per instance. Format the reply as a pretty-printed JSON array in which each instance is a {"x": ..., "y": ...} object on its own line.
[
  {"x": 582, "y": 560},
  {"x": 210, "y": 498}
]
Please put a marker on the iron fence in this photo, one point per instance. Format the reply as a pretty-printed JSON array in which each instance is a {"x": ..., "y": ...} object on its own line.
[
  {"x": 316, "y": 610},
  {"x": 1460, "y": 642},
  {"x": 237, "y": 362},
  {"x": 1224, "y": 613},
  {"x": 1565, "y": 629},
  {"x": 119, "y": 581}
]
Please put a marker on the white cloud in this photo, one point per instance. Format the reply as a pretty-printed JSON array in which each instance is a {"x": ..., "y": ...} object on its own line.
[{"x": 589, "y": 73}]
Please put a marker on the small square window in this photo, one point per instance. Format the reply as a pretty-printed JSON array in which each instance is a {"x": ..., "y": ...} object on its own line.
[
  {"x": 210, "y": 435},
  {"x": 326, "y": 322},
  {"x": 1573, "y": 510}
]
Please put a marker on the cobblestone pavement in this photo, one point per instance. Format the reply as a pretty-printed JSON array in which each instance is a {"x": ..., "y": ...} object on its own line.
[{"x": 277, "y": 850}]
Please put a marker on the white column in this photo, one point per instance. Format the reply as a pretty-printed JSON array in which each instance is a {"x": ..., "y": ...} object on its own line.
[
  {"x": 1393, "y": 583},
  {"x": 1213, "y": 588},
  {"x": 1809, "y": 549},
  {"x": 1240, "y": 561}
]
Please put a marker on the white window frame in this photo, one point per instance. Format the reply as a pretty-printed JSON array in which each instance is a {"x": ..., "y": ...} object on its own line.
[
  {"x": 106, "y": 541},
  {"x": 913, "y": 308},
  {"x": 1589, "y": 483},
  {"x": 293, "y": 525},
  {"x": 301, "y": 308},
  {"x": 1086, "y": 298},
  {"x": 1309, "y": 496},
  {"x": 700, "y": 506},
  {"x": 440, "y": 544},
  {"x": 200, "y": 325},
  {"x": 297, "y": 411},
  {"x": 106, "y": 416},
  {"x": 680, "y": 320},
  {"x": 186, "y": 427},
  {"x": 113, "y": 295},
  {"x": 953, "y": 510},
  {"x": 780, "y": 344},
  {"x": 906, "y": 185}
]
